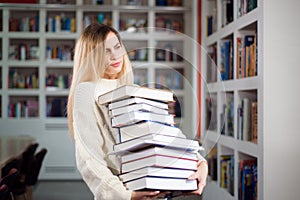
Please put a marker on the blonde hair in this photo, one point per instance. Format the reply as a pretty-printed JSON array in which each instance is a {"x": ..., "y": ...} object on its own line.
[{"x": 89, "y": 62}]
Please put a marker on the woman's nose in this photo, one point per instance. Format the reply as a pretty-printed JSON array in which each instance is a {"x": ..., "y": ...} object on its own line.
[{"x": 113, "y": 55}]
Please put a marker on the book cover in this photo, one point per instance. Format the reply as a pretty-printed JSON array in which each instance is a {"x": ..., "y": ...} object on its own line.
[
  {"x": 156, "y": 140},
  {"x": 126, "y": 91},
  {"x": 156, "y": 172},
  {"x": 248, "y": 41},
  {"x": 159, "y": 161},
  {"x": 159, "y": 183},
  {"x": 133, "y": 100},
  {"x": 33, "y": 108},
  {"x": 137, "y": 107},
  {"x": 177, "y": 153},
  {"x": 147, "y": 127},
  {"x": 245, "y": 177},
  {"x": 137, "y": 116}
]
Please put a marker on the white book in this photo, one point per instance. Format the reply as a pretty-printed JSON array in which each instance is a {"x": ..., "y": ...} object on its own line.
[
  {"x": 157, "y": 172},
  {"x": 127, "y": 91},
  {"x": 246, "y": 105},
  {"x": 133, "y": 100},
  {"x": 156, "y": 140},
  {"x": 159, "y": 183},
  {"x": 137, "y": 116},
  {"x": 147, "y": 127},
  {"x": 159, "y": 161},
  {"x": 137, "y": 107},
  {"x": 177, "y": 153}
]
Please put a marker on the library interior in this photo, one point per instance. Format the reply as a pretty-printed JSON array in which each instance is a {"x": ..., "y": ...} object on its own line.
[{"x": 215, "y": 81}]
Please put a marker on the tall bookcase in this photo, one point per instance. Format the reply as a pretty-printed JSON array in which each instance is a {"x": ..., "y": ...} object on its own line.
[
  {"x": 36, "y": 45},
  {"x": 246, "y": 44}
]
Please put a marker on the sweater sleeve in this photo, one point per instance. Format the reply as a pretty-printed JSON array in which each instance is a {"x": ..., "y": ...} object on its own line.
[{"x": 91, "y": 156}]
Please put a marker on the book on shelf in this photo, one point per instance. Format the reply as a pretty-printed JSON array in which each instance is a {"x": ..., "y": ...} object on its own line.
[
  {"x": 136, "y": 100},
  {"x": 239, "y": 47},
  {"x": 138, "y": 116},
  {"x": 254, "y": 121},
  {"x": 246, "y": 56},
  {"x": 176, "y": 153},
  {"x": 248, "y": 179},
  {"x": 226, "y": 68},
  {"x": 156, "y": 172},
  {"x": 227, "y": 173},
  {"x": 147, "y": 127},
  {"x": 244, "y": 7},
  {"x": 137, "y": 107},
  {"x": 156, "y": 140},
  {"x": 161, "y": 183},
  {"x": 212, "y": 70},
  {"x": 126, "y": 91},
  {"x": 159, "y": 161},
  {"x": 212, "y": 160},
  {"x": 227, "y": 118},
  {"x": 227, "y": 12}
]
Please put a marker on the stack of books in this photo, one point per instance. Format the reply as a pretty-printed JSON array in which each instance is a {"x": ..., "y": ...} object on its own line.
[{"x": 155, "y": 155}]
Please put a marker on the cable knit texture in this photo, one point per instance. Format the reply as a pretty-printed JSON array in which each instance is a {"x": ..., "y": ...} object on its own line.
[{"x": 94, "y": 139}]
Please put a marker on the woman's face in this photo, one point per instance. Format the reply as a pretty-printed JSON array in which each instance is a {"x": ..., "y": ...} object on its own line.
[{"x": 114, "y": 53}]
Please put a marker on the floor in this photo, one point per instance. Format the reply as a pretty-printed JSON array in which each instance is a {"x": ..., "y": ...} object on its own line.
[
  {"x": 71, "y": 190},
  {"x": 62, "y": 190}
]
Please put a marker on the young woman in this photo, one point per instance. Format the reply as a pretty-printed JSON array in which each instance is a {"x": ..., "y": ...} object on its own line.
[{"x": 101, "y": 64}]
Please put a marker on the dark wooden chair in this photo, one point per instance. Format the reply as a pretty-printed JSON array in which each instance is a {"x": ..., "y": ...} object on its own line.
[
  {"x": 9, "y": 180},
  {"x": 32, "y": 177},
  {"x": 4, "y": 192},
  {"x": 27, "y": 156}
]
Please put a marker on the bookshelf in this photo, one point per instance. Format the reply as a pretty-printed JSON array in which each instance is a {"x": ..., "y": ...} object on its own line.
[
  {"x": 232, "y": 97},
  {"x": 252, "y": 78},
  {"x": 36, "y": 69}
]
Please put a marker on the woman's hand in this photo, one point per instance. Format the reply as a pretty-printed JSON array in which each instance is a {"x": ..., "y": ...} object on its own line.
[
  {"x": 201, "y": 175},
  {"x": 147, "y": 195}
]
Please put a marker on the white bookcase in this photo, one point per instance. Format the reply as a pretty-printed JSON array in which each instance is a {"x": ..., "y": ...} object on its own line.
[
  {"x": 149, "y": 50},
  {"x": 273, "y": 24}
]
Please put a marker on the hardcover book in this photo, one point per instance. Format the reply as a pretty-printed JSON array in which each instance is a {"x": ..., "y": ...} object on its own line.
[
  {"x": 159, "y": 183},
  {"x": 156, "y": 140},
  {"x": 147, "y": 127},
  {"x": 135, "y": 100},
  {"x": 138, "y": 116},
  {"x": 176, "y": 153},
  {"x": 159, "y": 161},
  {"x": 157, "y": 172},
  {"x": 126, "y": 91},
  {"x": 137, "y": 107}
]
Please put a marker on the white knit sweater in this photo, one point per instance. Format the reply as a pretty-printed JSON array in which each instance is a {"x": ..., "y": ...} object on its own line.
[{"x": 94, "y": 138}]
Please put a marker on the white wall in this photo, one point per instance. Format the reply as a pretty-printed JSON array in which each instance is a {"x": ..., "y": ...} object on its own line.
[{"x": 282, "y": 99}]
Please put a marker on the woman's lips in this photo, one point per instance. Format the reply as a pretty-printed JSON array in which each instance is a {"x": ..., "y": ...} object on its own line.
[{"x": 115, "y": 64}]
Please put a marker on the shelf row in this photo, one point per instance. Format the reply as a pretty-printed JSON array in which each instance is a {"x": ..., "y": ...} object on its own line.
[
  {"x": 28, "y": 78},
  {"x": 234, "y": 56},
  {"x": 162, "y": 3},
  {"x": 61, "y": 50},
  {"x": 233, "y": 114},
  {"x": 23, "y": 89},
  {"x": 60, "y": 20},
  {"x": 221, "y": 15},
  {"x": 234, "y": 172}
]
